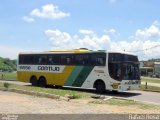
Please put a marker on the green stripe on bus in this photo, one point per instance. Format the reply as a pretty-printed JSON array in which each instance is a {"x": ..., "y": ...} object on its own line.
[
  {"x": 82, "y": 76},
  {"x": 73, "y": 75}
]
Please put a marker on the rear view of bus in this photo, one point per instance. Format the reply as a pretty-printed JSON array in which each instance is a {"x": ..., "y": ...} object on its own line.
[{"x": 124, "y": 68}]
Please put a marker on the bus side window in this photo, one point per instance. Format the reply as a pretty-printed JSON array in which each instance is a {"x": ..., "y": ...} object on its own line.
[
  {"x": 66, "y": 59},
  {"x": 53, "y": 59},
  {"x": 42, "y": 60},
  {"x": 50, "y": 60},
  {"x": 82, "y": 59},
  {"x": 98, "y": 60}
]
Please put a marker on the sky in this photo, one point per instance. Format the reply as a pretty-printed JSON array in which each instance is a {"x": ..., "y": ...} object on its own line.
[{"x": 117, "y": 25}]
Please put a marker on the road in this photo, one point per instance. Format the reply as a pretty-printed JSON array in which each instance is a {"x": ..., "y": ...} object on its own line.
[
  {"x": 144, "y": 96},
  {"x": 14, "y": 82}
]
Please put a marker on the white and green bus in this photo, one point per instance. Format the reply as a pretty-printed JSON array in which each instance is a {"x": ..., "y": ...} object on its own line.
[{"x": 100, "y": 70}]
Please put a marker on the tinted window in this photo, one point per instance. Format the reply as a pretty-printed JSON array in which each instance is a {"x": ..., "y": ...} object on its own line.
[
  {"x": 53, "y": 59},
  {"x": 81, "y": 59},
  {"x": 66, "y": 59},
  {"x": 117, "y": 57},
  {"x": 42, "y": 59},
  {"x": 130, "y": 58},
  {"x": 94, "y": 59},
  {"x": 26, "y": 59},
  {"x": 98, "y": 59}
]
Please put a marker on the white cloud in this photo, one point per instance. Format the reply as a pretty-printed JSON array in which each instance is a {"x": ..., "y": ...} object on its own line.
[
  {"x": 63, "y": 40},
  {"x": 145, "y": 42},
  {"x": 148, "y": 33},
  {"x": 142, "y": 48},
  {"x": 84, "y": 31},
  {"x": 112, "y": 30},
  {"x": 28, "y": 19},
  {"x": 50, "y": 11}
]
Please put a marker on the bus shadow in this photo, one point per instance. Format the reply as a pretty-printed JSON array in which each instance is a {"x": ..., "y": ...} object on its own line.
[
  {"x": 122, "y": 94},
  {"x": 106, "y": 93}
]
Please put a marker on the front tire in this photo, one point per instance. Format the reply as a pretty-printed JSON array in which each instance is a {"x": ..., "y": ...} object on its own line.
[{"x": 100, "y": 87}]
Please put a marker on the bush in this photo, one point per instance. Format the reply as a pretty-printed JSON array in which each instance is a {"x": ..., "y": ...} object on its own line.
[{"x": 6, "y": 85}]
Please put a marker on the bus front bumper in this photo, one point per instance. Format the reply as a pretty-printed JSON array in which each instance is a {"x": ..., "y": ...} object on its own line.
[{"x": 127, "y": 85}]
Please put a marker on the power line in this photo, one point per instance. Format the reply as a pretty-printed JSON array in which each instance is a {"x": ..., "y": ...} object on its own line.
[{"x": 153, "y": 47}]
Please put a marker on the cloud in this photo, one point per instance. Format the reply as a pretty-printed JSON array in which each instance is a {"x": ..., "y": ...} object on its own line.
[
  {"x": 145, "y": 42},
  {"x": 144, "y": 49},
  {"x": 112, "y": 31},
  {"x": 84, "y": 31},
  {"x": 153, "y": 32},
  {"x": 49, "y": 11},
  {"x": 63, "y": 40},
  {"x": 28, "y": 19}
]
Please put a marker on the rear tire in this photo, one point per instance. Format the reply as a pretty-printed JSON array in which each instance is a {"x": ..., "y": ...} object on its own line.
[
  {"x": 100, "y": 87},
  {"x": 42, "y": 82},
  {"x": 33, "y": 81},
  {"x": 58, "y": 86}
]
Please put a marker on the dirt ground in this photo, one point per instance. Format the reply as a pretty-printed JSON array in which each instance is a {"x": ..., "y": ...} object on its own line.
[{"x": 14, "y": 103}]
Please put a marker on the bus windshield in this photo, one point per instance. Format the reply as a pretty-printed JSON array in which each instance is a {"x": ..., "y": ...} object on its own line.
[{"x": 123, "y": 67}]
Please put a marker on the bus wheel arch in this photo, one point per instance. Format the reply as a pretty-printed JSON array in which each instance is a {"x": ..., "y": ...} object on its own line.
[
  {"x": 33, "y": 80},
  {"x": 100, "y": 86},
  {"x": 42, "y": 81}
]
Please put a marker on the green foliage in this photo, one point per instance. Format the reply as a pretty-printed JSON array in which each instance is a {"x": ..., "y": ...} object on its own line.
[
  {"x": 7, "y": 65},
  {"x": 150, "y": 88},
  {"x": 8, "y": 75},
  {"x": 6, "y": 85},
  {"x": 150, "y": 80}
]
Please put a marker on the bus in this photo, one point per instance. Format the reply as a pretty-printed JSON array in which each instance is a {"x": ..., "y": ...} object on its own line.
[{"x": 100, "y": 70}]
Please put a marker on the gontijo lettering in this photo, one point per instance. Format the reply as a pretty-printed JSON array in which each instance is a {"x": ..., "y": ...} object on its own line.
[{"x": 48, "y": 68}]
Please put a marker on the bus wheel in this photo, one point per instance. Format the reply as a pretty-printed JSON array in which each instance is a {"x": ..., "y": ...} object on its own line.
[
  {"x": 42, "y": 82},
  {"x": 33, "y": 81},
  {"x": 100, "y": 87},
  {"x": 58, "y": 86}
]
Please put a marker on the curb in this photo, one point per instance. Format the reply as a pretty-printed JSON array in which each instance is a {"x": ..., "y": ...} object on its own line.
[
  {"x": 151, "y": 90},
  {"x": 39, "y": 94}
]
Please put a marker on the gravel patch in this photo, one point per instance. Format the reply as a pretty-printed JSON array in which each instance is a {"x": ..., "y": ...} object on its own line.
[{"x": 15, "y": 103}]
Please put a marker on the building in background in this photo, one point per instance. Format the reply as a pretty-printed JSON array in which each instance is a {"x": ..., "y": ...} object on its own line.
[{"x": 148, "y": 68}]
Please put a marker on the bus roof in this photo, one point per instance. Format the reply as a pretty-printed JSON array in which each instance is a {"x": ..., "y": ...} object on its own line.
[{"x": 81, "y": 50}]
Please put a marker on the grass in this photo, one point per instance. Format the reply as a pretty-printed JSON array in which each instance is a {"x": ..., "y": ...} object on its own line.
[
  {"x": 123, "y": 102},
  {"x": 152, "y": 80},
  {"x": 152, "y": 88},
  {"x": 8, "y": 75},
  {"x": 61, "y": 92}
]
